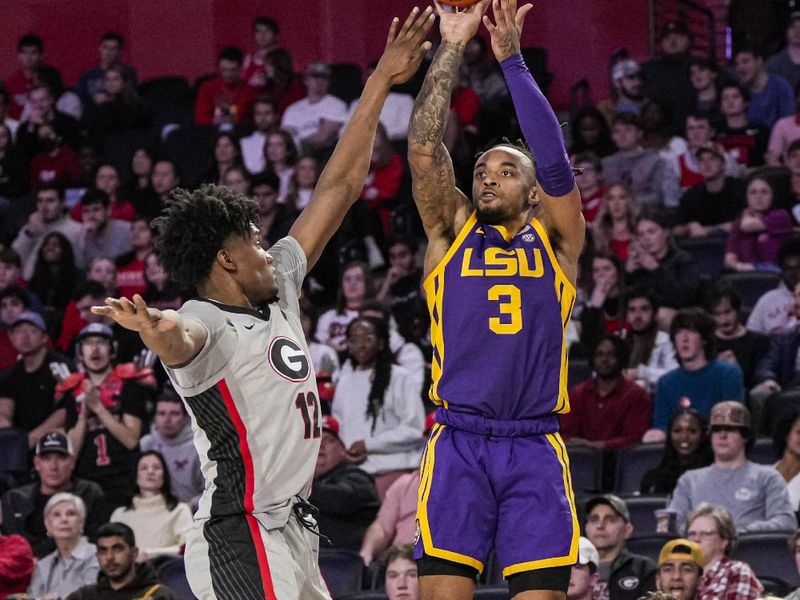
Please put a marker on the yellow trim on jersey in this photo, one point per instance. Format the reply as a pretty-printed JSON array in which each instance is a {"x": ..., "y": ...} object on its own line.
[
  {"x": 571, "y": 558},
  {"x": 566, "y": 294},
  {"x": 426, "y": 479},
  {"x": 435, "y": 300}
]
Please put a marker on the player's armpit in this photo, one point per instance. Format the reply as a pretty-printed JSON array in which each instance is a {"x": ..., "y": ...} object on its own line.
[
  {"x": 563, "y": 217},
  {"x": 178, "y": 346}
]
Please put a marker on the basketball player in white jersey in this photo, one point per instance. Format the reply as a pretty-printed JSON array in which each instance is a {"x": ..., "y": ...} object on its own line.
[{"x": 238, "y": 357}]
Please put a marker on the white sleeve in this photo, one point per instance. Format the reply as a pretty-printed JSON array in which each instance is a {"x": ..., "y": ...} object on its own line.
[{"x": 290, "y": 270}]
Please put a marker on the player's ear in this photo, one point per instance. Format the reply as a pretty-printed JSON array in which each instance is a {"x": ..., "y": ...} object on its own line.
[
  {"x": 533, "y": 196},
  {"x": 225, "y": 260}
]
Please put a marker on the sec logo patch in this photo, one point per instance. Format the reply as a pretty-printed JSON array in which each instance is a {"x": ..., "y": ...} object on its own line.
[{"x": 288, "y": 359}]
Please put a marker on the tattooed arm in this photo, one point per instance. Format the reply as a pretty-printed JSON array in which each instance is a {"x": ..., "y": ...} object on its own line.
[{"x": 442, "y": 207}]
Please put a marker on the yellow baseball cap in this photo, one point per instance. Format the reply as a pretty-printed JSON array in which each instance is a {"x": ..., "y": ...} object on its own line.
[{"x": 682, "y": 549}]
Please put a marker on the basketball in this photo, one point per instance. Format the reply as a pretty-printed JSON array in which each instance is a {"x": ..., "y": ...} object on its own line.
[{"x": 459, "y": 3}]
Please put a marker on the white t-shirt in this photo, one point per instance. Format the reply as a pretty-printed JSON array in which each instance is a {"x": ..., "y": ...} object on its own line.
[
  {"x": 303, "y": 118},
  {"x": 395, "y": 115},
  {"x": 253, "y": 151}
]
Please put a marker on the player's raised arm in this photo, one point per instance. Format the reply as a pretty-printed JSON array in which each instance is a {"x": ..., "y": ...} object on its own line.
[
  {"x": 342, "y": 179},
  {"x": 439, "y": 202},
  {"x": 173, "y": 338},
  {"x": 557, "y": 189}
]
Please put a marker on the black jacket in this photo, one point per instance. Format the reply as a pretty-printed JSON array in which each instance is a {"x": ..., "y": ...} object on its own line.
[
  {"x": 778, "y": 364},
  {"x": 674, "y": 282},
  {"x": 19, "y": 503},
  {"x": 348, "y": 502},
  {"x": 631, "y": 577},
  {"x": 143, "y": 582}
]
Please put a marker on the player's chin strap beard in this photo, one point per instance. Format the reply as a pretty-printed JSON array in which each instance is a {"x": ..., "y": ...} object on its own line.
[{"x": 308, "y": 515}]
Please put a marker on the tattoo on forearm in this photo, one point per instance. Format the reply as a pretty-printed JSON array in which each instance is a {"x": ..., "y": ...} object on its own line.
[
  {"x": 432, "y": 105},
  {"x": 508, "y": 44}
]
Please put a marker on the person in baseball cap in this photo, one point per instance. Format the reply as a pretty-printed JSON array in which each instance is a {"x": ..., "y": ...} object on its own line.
[
  {"x": 54, "y": 441},
  {"x": 628, "y": 93},
  {"x": 584, "y": 573},
  {"x": 31, "y": 318},
  {"x": 680, "y": 566},
  {"x": 731, "y": 416}
]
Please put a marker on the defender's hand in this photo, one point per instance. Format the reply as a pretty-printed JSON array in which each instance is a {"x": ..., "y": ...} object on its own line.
[
  {"x": 507, "y": 30},
  {"x": 405, "y": 49},
  {"x": 460, "y": 27},
  {"x": 135, "y": 315}
]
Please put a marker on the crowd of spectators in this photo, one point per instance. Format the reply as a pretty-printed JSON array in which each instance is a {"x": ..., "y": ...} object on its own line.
[{"x": 686, "y": 155}]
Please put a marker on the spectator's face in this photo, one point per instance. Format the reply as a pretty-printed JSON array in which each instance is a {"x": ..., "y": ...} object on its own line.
[
  {"x": 84, "y": 306},
  {"x": 113, "y": 82},
  {"x": 154, "y": 272},
  {"x": 229, "y": 71},
  {"x": 675, "y": 43},
  {"x": 27, "y": 339},
  {"x": 96, "y": 354},
  {"x": 652, "y": 238},
  {"x": 581, "y": 582},
  {"x": 747, "y": 67},
  {"x": 679, "y": 578},
  {"x": 264, "y": 36},
  {"x": 9, "y": 273},
  {"x": 275, "y": 149},
  {"x": 589, "y": 179},
  {"x": 604, "y": 270},
  {"x": 688, "y": 345},
  {"x": 149, "y": 474},
  {"x": 618, "y": 201},
  {"x": 109, "y": 52},
  {"x": 10, "y": 307},
  {"x": 606, "y": 529},
  {"x": 639, "y": 314},
  {"x": 606, "y": 360},
  {"x": 306, "y": 172},
  {"x": 363, "y": 344},
  {"x": 625, "y": 136},
  {"x": 701, "y": 77},
  {"x": 331, "y": 453},
  {"x": 732, "y": 102},
  {"x": 41, "y": 101},
  {"x": 163, "y": 178},
  {"x": 726, "y": 318},
  {"x": 316, "y": 86},
  {"x": 266, "y": 197},
  {"x": 170, "y": 419},
  {"x": 54, "y": 469},
  {"x": 790, "y": 270},
  {"x": 103, "y": 272},
  {"x": 141, "y": 237},
  {"x": 401, "y": 580},
  {"x": 49, "y": 205},
  {"x": 141, "y": 164},
  {"x": 698, "y": 131},
  {"x": 590, "y": 130},
  {"x": 225, "y": 151},
  {"x": 51, "y": 250},
  {"x": 793, "y": 33},
  {"x": 705, "y": 532},
  {"x": 685, "y": 435},
  {"x": 401, "y": 257},
  {"x": 235, "y": 179},
  {"x": 792, "y": 161},
  {"x": 95, "y": 216},
  {"x": 710, "y": 165},
  {"x": 64, "y": 522},
  {"x": 354, "y": 285},
  {"x": 264, "y": 116},
  {"x": 759, "y": 196},
  {"x": 728, "y": 443},
  {"x": 29, "y": 57},
  {"x": 107, "y": 180},
  {"x": 630, "y": 86},
  {"x": 115, "y": 557}
]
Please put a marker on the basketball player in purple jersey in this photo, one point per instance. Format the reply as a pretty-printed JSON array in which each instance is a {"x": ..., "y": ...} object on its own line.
[
  {"x": 500, "y": 286},
  {"x": 238, "y": 357}
]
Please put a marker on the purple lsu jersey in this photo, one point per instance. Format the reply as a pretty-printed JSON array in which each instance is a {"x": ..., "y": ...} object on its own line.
[{"x": 499, "y": 307}]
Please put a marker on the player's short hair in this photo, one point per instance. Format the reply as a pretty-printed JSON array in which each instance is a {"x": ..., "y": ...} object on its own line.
[
  {"x": 28, "y": 40},
  {"x": 231, "y": 53},
  {"x": 194, "y": 226},
  {"x": 113, "y": 36},
  {"x": 117, "y": 529},
  {"x": 267, "y": 22}
]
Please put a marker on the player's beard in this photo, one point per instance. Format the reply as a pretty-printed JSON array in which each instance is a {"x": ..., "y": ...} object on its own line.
[{"x": 491, "y": 215}]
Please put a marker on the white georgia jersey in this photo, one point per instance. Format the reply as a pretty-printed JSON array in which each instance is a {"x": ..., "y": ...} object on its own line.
[{"x": 251, "y": 393}]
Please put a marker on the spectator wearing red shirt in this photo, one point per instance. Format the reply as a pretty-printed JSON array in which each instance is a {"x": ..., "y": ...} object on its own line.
[
  {"x": 614, "y": 227},
  {"x": 590, "y": 184},
  {"x": 226, "y": 98},
  {"x": 265, "y": 35},
  {"x": 107, "y": 179},
  {"x": 281, "y": 85},
  {"x": 130, "y": 267},
  {"x": 78, "y": 313},
  {"x": 384, "y": 178},
  {"x": 607, "y": 412},
  {"x": 29, "y": 55},
  {"x": 55, "y": 163}
]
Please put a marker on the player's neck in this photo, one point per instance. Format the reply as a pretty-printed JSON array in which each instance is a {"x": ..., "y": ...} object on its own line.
[{"x": 224, "y": 293}]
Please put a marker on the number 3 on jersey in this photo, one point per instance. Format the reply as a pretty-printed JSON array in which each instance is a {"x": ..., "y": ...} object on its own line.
[
  {"x": 309, "y": 410},
  {"x": 509, "y": 301}
]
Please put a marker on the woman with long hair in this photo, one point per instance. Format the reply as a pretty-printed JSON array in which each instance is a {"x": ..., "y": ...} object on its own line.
[
  {"x": 303, "y": 182},
  {"x": 759, "y": 231},
  {"x": 158, "y": 520},
  {"x": 378, "y": 405},
  {"x": 614, "y": 227},
  {"x": 54, "y": 275},
  {"x": 786, "y": 442},
  {"x": 160, "y": 291},
  {"x": 281, "y": 84},
  {"x": 603, "y": 312},
  {"x": 280, "y": 157},
  {"x": 355, "y": 286},
  {"x": 688, "y": 447},
  {"x": 591, "y": 133},
  {"x": 117, "y": 107},
  {"x": 227, "y": 154}
]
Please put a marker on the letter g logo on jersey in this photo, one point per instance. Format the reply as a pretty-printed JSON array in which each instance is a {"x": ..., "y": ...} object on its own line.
[{"x": 288, "y": 359}]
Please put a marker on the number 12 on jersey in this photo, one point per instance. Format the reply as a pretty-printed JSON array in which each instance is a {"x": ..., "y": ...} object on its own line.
[
  {"x": 309, "y": 409},
  {"x": 509, "y": 300}
]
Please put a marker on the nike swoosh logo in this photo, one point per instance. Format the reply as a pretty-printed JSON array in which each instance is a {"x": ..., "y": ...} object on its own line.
[{"x": 250, "y": 326}]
